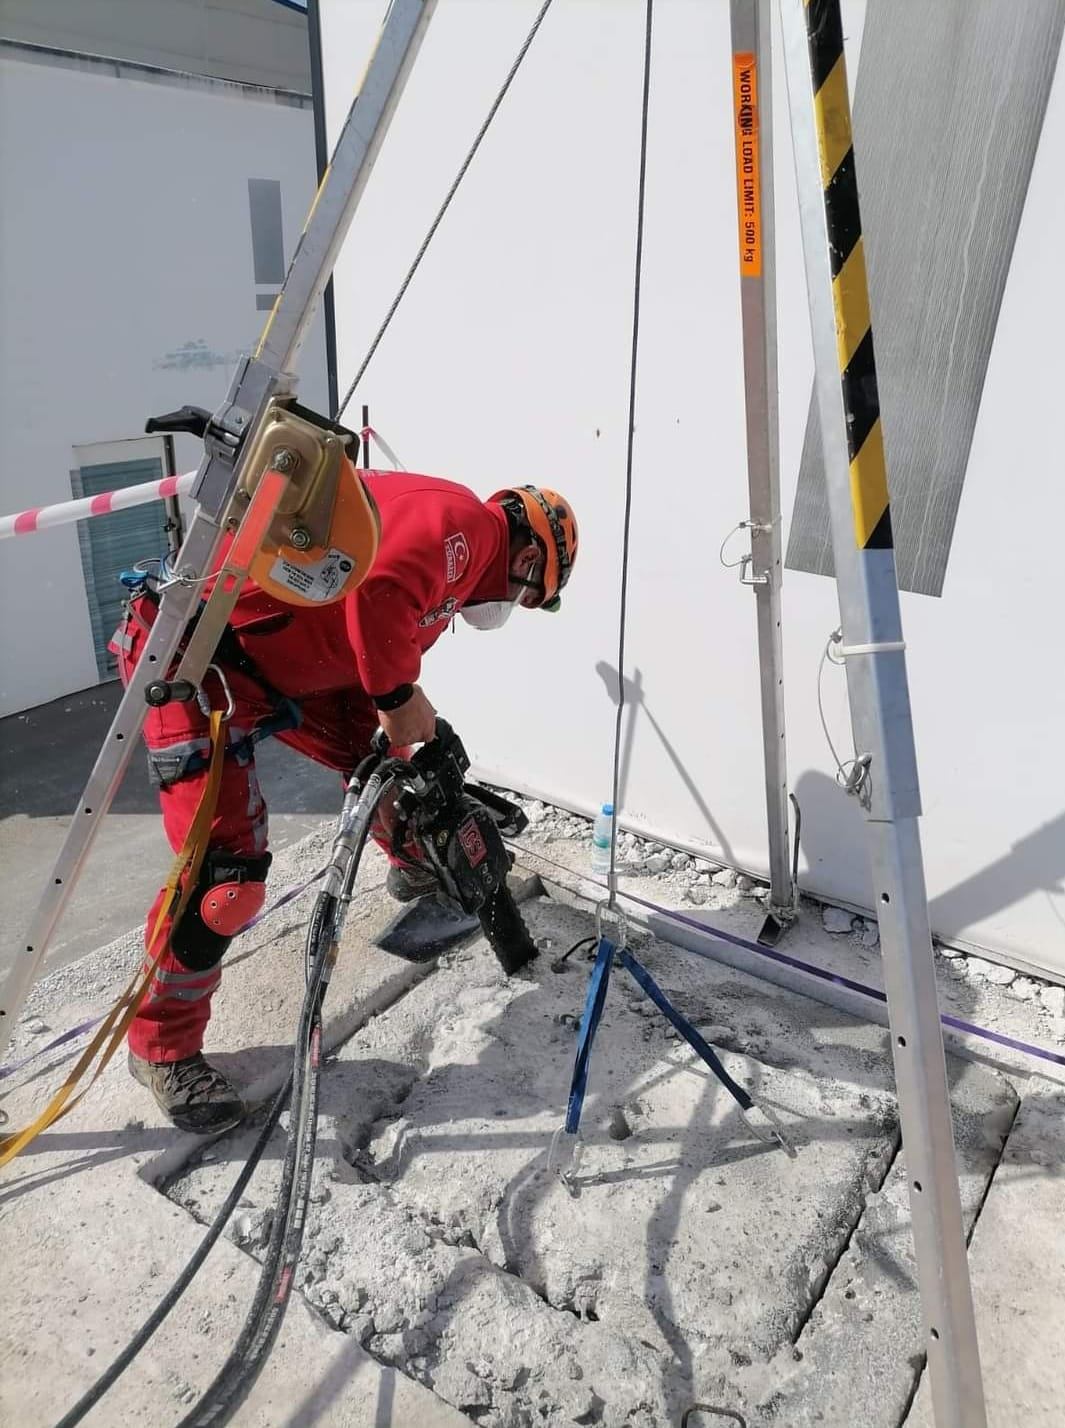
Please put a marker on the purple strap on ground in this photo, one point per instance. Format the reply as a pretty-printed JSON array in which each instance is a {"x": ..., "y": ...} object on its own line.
[
  {"x": 84, "y": 1026},
  {"x": 954, "y": 1022},
  {"x": 74, "y": 1031},
  {"x": 286, "y": 897}
]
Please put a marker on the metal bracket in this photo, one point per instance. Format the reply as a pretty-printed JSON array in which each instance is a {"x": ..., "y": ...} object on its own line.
[
  {"x": 601, "y": 908},
  {"x": 569, "y": 1173},
  {"x": 765, "y": 1125},
  {"x": 776, "y": 923},
  {"x": 745, "y": 561}
]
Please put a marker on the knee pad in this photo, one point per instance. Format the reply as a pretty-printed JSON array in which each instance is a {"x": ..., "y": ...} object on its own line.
[{"x": 230, "y": 890}]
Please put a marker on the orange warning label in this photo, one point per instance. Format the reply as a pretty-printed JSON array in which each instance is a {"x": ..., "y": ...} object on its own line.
[{"x": 748, "y": 177}]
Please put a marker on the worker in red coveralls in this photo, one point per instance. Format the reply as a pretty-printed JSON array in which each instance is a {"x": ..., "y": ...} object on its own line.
[{"x": 330, "y": 675}]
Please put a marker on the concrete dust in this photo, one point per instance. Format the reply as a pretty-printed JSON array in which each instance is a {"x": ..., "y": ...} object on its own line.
[
  {"x": 441, "y": 1240},
  {"x": 687, "y": 1261}
]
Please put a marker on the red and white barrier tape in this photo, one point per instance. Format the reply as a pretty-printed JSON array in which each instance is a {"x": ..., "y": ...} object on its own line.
[
  {"x": 41, "y": 518},
  {"x": 370, "y": 433}
]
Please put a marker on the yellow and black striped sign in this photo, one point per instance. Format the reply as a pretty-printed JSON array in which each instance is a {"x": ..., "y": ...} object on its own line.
[{"x": 850, "y": 287}]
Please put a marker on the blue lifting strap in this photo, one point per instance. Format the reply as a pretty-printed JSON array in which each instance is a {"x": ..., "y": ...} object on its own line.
[
  {"x": 593, "y": 1011},
  {"x": 691, "y": 1036},
  {"x": 594, "y": 1003}
]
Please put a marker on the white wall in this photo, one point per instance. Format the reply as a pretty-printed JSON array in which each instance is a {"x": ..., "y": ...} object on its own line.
[
  {"x": 124, "y": 236},
  {"x": 508, "y": 362}
]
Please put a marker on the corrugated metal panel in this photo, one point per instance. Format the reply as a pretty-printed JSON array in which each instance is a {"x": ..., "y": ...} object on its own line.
[
  {"x": 110, "y": 544},
  {"x": 948, "y": 110}
]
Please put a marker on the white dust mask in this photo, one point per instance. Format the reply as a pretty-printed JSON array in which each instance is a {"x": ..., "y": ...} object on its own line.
[{"x": 490, "y": 615}]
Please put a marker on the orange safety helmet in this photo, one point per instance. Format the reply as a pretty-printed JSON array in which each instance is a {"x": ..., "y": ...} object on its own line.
[{"x": 551, "y": 520}]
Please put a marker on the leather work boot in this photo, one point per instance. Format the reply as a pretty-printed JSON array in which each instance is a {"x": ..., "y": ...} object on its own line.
[
  {"x": 193, "y": 1094},
  {"x": 409, "y": 884}
]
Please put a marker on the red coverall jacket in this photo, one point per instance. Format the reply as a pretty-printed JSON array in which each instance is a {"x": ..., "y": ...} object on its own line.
[{"x": 440, "y": 548}]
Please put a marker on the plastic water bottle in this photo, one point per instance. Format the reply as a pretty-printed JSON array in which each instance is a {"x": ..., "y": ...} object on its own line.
[{"x": 602, "y": 833}]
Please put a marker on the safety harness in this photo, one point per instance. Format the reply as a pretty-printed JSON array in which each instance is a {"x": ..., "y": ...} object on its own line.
[
  {"x": 185, "y": 873},
  {"x": 230, "y": 654}
]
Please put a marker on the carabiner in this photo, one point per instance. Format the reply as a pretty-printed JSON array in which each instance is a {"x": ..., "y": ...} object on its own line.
[{"x": 205, "y": 703}]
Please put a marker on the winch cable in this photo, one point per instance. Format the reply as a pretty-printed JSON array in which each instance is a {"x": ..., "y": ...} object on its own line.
[
  {"x": 236, "y": 1377},
  {"x": 390, "y": 314},
  {"x": 617, "y": 792}
]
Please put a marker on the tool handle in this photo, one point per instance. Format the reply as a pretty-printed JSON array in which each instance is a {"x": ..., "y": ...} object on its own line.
[{"x": 193, "y": 420}]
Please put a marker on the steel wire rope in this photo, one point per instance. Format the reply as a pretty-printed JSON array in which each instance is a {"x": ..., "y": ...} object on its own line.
[
  {"x": 612, "y": 878},
  {"x": 482, "y": 131}
]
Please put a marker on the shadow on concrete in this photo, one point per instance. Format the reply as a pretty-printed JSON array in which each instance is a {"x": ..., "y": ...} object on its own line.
[
  {"x": 359, "y": 1095},
  {"x": 833, "y": 836},
  {"x": 1034, "y": 863}
]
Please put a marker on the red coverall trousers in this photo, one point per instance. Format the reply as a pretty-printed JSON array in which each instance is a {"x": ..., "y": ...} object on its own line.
[{"x": 335, "y": 730}]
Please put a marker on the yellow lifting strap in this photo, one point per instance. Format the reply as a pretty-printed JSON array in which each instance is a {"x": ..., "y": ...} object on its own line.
[{"x": 112, "y": 1031}]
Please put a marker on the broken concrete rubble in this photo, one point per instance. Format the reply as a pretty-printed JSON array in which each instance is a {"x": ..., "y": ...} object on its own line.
[
  {"x": 965, "y": 990},
  {"x": 444, "y": 1216},
  {"x": 837, "y": 919},
  {"x": 441, "y": 1252}
]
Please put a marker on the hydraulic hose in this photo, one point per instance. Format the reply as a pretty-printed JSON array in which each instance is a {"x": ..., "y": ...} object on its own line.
[
  {"x": 238, "y": 1374},
  {"x": 371, "y": 783}
]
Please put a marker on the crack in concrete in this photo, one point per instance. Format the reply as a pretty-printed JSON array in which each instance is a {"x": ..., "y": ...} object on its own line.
[
  {"x": 848, "y": 1227},
  {"x": 922, "y": 1359}
]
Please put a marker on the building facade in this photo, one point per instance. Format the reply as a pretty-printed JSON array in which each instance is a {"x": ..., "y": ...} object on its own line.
[{"x": 157, "y": 166}]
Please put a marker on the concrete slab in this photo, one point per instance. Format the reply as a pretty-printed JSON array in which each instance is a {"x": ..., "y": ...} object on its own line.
[
  {"x": 442, "y": 1242},
  {"x": 676, "y": 904},
  {"x": 860, "y": 1354},
  {"x": 691, "y": 1185},
  {"x": 1017, "y": 1260},
  {"x": 88, "y": 1277},
  {"x": 90, "y": 1246},
  {"x": 437, "y": 1243}
]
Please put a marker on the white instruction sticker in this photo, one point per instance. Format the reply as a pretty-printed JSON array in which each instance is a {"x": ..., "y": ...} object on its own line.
[{"x": 318, "y": 580}]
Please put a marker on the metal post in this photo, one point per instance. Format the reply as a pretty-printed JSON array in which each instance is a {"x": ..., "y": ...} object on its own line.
[
  {"x": 321, "y": 155},
  {"x": 752, "y": 109},
  {"x": 256, "y": 382},
  {"x": 856, "y": 477}
]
